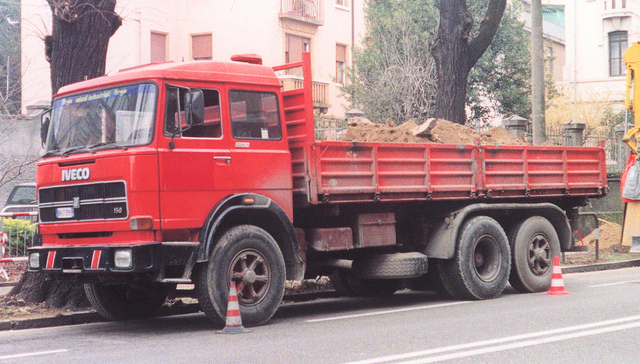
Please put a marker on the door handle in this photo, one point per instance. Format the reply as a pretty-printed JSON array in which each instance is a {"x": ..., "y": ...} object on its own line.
[{"x": 226, "y": 159}]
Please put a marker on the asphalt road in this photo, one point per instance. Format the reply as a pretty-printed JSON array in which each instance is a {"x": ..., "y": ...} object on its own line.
[{"x": 598, "y": 322}]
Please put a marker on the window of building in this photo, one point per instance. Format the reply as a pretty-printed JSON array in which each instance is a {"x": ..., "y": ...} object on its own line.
[
  {"x": 294, "y": 47},
  {"x": 254, "y": 115},
  {"x": 201, "y": 47},
  {"x": 341, "y": 62},
  {"x": 158, "y": 47},
  {"x": 617, "y": 46},
  {"x": 175, "y": 105},
  {"x": 344, "y": 3}
]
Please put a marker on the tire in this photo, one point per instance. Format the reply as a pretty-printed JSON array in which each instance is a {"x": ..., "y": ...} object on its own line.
[
  {"x": 126, "y": 301},
  {"x": 480, "y": 267},
  {"x": 251, "y": 258},
  {"x": 534, "y": 243},
  {"x": 391, "y": 266}
]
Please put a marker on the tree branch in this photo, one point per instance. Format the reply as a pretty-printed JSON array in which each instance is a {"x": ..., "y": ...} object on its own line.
[{"x": 487, "y": 30}]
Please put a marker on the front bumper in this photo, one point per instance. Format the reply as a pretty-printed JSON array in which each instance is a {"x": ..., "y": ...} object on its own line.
[{"x": 96, "y": 260}]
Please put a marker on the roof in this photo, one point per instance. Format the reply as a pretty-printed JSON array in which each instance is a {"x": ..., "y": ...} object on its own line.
[{"x": 225, "y": 72}]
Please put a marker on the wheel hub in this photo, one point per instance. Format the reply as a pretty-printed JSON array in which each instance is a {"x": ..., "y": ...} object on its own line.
[
  {"x": 249, "y": 277},
  {"x": 486, "y": 258},
  {"x": 539, "y": 255},
  {"x": 250, "y": 271}
]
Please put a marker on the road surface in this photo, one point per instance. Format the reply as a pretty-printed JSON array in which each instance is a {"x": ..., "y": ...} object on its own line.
[{"x": 598, "y": 322}]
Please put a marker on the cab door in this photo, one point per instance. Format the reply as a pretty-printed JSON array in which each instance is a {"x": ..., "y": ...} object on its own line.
[
  {"x": 260, "y": 154},
  {"x": 195, "y": 172}
]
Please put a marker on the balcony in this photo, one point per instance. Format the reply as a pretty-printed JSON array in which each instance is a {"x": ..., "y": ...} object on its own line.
[
  {"x": 304, "y": 11},
  {"x": 320, "y": 90}
]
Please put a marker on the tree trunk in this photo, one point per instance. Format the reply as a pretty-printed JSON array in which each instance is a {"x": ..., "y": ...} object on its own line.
[
  {"x": 34, "y": 288},
  {"x": 77, "y": 49},
  {"x": 455, "y": 55}
]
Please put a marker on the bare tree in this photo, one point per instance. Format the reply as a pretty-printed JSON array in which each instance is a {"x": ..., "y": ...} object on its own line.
[
  {"x": 77, "y": 47},
  {"x": 455, "y": 52}
]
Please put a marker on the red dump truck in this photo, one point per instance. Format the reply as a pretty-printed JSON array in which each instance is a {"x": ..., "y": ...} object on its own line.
[{"x": 209, "y": 174}]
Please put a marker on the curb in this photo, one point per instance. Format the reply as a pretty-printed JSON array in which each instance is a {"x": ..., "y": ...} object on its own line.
[
  {"x": 86, "y": 317},
  {"x": 601, "y": 266}
]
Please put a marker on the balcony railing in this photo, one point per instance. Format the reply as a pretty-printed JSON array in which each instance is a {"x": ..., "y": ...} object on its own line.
[
  {"x": 310, "y": 11},
  {"x": 320, "y": 90}
]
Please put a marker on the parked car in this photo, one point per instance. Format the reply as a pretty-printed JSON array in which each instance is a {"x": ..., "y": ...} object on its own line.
[{"x": 22, "y": 199}]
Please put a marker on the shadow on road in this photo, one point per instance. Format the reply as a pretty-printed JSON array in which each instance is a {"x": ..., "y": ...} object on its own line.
[{"x": 193, "y": 321}]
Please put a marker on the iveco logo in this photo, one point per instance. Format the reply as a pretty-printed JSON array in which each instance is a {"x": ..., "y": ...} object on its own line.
[{"x": 77, "y": 174}]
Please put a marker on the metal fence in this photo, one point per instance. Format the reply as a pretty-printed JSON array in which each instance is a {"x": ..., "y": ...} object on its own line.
[
  {"x": 17, "y": 233},
  {"x": 615, "y": 150}
]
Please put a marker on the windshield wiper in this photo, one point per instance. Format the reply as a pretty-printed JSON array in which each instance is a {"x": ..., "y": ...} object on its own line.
[
  {"x": 75, "y": 149},
  {"x": 92, "y": 148},
  {"x": 51, "y": 154}
]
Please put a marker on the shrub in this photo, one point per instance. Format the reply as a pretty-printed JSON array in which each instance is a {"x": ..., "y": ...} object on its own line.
[{"x": 21, "y": 235}]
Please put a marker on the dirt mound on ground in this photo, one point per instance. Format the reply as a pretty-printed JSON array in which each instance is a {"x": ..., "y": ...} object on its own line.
[
  {"x": 434, "y": 131},
  {"x": 609, "y": 239}
]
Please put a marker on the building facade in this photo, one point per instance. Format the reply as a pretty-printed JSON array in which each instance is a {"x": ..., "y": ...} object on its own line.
[
  {"x": 597, "y": 34},
  {"x": 171, "y": 30}
]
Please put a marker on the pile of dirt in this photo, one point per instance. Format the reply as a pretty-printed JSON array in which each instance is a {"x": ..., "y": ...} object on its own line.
[
  {"x": 433, "y": 131},
  {"x": 609, "y": 238}
]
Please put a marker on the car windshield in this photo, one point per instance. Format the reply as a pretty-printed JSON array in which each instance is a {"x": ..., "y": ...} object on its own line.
[
  {"x": 108, "y": 118},
  {"x": 22, "y": 195}
]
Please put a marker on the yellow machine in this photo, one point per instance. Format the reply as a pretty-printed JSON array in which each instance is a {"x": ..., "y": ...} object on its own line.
[{"x": 631, "y": 226}]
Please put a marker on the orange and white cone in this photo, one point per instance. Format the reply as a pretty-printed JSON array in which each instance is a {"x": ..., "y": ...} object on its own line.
[
  {"x": 234, "y": 321},
  {"x": 557, "y": 283}
]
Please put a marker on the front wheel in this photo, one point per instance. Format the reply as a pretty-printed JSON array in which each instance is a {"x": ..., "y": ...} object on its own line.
[
  {"x": 249, "y": 257},
  {"x": 126, "y": 301},
  {"x": 480, "y": 267},
  {"x": 534, "y": 243}
]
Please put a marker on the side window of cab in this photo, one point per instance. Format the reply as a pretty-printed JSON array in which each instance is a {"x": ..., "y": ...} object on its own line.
[
  {"x": 175, "y": 115},
  {"x": 254, "y": 115}
]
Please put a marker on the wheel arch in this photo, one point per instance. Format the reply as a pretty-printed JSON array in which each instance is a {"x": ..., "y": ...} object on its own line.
[
  {"x": 442, "y": 243},
  {"x": 263, "y": 212}
]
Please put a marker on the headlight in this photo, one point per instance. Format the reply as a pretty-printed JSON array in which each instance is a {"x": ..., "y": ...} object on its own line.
[
  {"x": 123, "y": 259},
  {"x": 34, "y": 260}
]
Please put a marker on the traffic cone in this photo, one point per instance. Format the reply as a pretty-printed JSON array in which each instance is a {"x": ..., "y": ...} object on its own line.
[
  {"x": 557, "y": 283},
  {"x": 234, "y": 322}
]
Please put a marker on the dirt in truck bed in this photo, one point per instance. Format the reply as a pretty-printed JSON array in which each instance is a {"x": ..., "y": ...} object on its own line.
[{"x": 433, "y": 131}]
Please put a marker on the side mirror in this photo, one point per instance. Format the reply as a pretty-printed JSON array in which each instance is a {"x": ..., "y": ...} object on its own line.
[
  {"x": 194, "y": 107},
  {"x": 45, "y": 120}
]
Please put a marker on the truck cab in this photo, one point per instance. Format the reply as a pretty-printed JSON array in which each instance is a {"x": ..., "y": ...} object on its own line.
[{"x": 141, "y": 165}]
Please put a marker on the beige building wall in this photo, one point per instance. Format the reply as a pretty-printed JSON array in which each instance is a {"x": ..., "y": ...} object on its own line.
[
  {"x": 236, "y": 27},
  {"x": 588, "y": 25}
]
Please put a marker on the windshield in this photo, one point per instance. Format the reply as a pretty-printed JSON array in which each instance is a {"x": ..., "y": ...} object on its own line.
[{"x": 108, "y": 118}]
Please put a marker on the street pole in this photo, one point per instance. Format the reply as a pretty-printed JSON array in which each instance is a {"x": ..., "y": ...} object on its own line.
[{"x": 537, "y": 74}]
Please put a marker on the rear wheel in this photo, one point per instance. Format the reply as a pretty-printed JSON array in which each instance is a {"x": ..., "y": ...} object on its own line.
[
  {"x": 534, "y": 243},
  {"x": 126, "y": 301},
  {"x": 249, "y": 257},
  {"x": 480, "y": 267}
]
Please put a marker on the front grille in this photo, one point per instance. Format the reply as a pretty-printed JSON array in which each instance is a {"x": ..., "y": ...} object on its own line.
[{"x": 90, "y": 201}]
